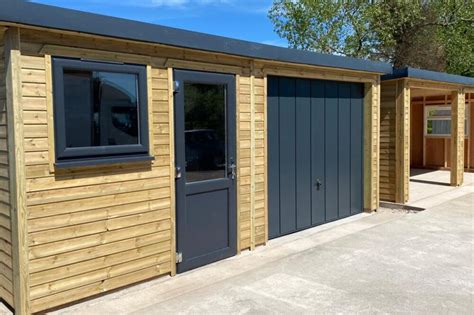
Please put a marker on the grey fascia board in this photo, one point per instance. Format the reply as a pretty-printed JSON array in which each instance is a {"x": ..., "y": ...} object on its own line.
[
  {"x": 429, "y": 76},
  {"x": 39, "y": 15}
]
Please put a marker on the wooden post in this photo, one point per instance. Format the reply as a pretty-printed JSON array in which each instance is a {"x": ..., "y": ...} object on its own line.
[
  {"x": 371, "y": 145},
  {"x": 458, "y": 112},
  {"x": 402, "y": 146},
  {"x": 16, "y": 160},
  {"x": 424, "y": 135}
]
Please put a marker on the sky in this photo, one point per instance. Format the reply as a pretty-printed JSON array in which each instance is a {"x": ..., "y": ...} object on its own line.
[{"x": 241, "y": 19}]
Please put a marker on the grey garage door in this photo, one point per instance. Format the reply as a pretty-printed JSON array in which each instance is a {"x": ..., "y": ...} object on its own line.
[{"x": 315, "y": 148}]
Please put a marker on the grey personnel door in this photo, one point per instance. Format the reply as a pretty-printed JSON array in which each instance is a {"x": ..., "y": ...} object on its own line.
[
  {"x": 315, "y": 148},
  {"x": 205, "y": 158}
]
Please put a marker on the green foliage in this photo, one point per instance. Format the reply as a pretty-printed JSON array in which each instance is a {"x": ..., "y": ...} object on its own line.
[
  {"x": 458, "y": 35},
  {"x": 436, "y": 35}
]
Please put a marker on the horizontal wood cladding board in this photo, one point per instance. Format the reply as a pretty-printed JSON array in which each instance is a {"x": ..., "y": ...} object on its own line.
[
  {"x": 99, "y": 287},
  {"x": 387, "y": 141},
  {"x": 6, "y": 273},
  {"x": 161, "y": 255}
]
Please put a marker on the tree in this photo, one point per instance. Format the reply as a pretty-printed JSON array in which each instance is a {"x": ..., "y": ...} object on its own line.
[{"x": 436, "y": 35}]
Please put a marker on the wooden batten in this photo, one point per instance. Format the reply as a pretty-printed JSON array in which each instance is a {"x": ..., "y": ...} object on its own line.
[
  {"x": 16, "y": 158},
  {"x": 308, "y": 72},
  {"x": 172, "y": 164},
  {"x": 431, "y": 85},
  {"x": 458, "y": 112},
  {"x": 371, "y": 145},
  {"x": 264, "y": 134},
  {"x": 252, "y": 156}
]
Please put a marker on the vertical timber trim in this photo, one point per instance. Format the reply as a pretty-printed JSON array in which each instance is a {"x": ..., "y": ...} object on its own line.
[
  {"x": 16, "y": 157},
  {"x": 172, "y": 169},
  {"x": 49, "y": 110},
  {"x": 458, "y": 113},
  {"x": 424, "y": 128},
  {"x": 252, "y": 156},
  {"x": 149, "y": 91},
  {"x": 402, "y": 142},
  {"x": 237, "y": 158},
  {"x": 265, "y": 137},
  {"x": 371, "y": 145}
]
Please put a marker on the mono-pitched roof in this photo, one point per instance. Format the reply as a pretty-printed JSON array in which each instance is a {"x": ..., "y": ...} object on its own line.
[
  {"x": 40, "y": 15},
  {"x": 429, "y": 75}
]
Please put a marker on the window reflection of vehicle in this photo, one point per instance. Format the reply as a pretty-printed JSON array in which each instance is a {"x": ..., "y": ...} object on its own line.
[{"x": 204, "y": 150}]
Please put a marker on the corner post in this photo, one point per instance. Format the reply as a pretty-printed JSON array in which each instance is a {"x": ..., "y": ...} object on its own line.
[
  {"x": 402, "y": 160},
  {"x": 371, "y": 145},
  {"x": 16, "y": 158},
  {"x": 458, "y": 112}
]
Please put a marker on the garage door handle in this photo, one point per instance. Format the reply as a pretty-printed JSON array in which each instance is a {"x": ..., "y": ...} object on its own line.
[{"x": 318, "y": 184}]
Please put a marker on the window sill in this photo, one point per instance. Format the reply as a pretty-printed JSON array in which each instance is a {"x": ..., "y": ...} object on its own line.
[{"x": 103, "y": 161}]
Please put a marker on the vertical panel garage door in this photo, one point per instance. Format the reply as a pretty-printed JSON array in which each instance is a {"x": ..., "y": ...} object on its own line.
[{"x": 315, "y": 148}]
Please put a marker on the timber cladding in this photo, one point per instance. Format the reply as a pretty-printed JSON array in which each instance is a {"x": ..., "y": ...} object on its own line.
[
  {"x": 387, "y": 140},
  {"x": 394, "y": 141},
  {"x": 93, "y": 229}
]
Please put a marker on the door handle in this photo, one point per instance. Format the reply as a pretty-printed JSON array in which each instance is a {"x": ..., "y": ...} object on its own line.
[
  {"x": 318, "y": 184},
  {"x": 232, "y": 169}
]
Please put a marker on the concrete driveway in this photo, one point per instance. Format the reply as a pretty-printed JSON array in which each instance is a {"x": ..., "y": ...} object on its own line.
[{"x": 388, "y": 262}]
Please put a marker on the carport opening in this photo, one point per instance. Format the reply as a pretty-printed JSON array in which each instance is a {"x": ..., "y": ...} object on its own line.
[{"x": 430, "y": 141}]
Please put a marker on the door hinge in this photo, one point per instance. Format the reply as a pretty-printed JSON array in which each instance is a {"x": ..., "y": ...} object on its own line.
[
  {"x": 176, "y": 86},
  {"x": 179, "y": 257},
  {"x": 178, "y": 174}
]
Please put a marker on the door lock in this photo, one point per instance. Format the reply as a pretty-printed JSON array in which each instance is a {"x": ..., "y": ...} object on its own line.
[
  {"x": 232, "y": 169},
  {"x": 318, "y": 184}
]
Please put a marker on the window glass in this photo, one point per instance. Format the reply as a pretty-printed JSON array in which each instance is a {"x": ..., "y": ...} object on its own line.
[
  {"x": 439, "y": 127},
  {"x": 438, "y": 121},
  {"x": 101, "y": 108},
  {"x": 205, "y": 131}
]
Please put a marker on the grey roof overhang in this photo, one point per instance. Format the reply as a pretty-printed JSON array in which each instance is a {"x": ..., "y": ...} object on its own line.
[
  {"x": 429, "y": 76},
  {"x": 45, "y": 16}
]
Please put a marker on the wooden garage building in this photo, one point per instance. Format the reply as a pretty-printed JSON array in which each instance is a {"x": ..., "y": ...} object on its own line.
[
  {"x": 130, "y": 151},
  {"x": 424, "y": 123}
]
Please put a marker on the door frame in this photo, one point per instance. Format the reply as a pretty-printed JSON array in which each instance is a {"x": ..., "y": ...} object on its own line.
[{"x": 195, "y": 76}]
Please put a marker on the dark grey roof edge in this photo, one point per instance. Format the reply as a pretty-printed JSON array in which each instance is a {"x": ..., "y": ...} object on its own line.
[
  {"x": 33, "y": 14},
  {"x": 429, "y": 75}
]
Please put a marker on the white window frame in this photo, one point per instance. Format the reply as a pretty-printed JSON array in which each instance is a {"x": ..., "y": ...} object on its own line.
[{"x": 429, "y": 108}]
